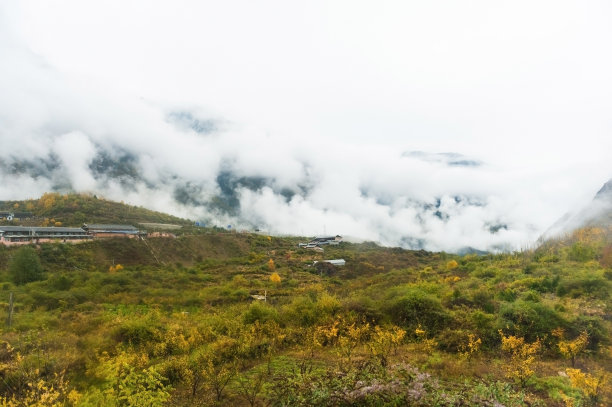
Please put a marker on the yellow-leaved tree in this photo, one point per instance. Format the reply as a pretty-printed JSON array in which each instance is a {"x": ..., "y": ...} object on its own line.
[
  {"x": 522, "y": 357},
  {"x": 570, "y": 349},
  {"x": 385, "y": 341},
  {"x": 590, "y": 385},
  {"x": 275, "y": 278}
]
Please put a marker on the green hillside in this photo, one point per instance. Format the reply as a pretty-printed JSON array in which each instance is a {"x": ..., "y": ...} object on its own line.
[
  {"x": 76, "y": 209},
  {"x": 172, "y": 321}
]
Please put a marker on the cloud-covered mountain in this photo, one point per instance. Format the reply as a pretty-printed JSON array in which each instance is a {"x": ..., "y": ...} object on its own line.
[
  {"x": 322, "y": 192},
  {"x": 598, "y": 212}
]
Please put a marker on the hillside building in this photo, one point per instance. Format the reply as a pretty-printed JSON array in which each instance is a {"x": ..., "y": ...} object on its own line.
[
  {"x": 103, "y": 231},
  {"x": 335, "y": 262},
  {"x": 322, "y": 241},
  {"x": 19, "y": 235}
]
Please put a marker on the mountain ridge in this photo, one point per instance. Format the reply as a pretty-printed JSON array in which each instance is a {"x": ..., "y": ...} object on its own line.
[{"x": 598, "y": 212}]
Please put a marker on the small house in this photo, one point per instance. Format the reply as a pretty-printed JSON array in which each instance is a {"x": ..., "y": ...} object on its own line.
[{"x": 335, "y": 262}]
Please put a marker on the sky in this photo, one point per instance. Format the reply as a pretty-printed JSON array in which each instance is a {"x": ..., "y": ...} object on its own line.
[{"x": 439, "y": 124}]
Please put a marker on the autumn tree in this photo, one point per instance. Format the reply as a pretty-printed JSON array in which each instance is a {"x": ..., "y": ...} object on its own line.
[
  {"x": 127, "y": 381},
  {"x": 275, "y": 278},
  {"x": 385, "y": 341},
  {"x": 571, "y": 348},
  {"x": 352, "y": 336},
  {"x": 590, "y": 385},
  {"x": 217, "y": 375},
  {"x": 522, "y": 357},
  {"x": 471, "y": 347}
]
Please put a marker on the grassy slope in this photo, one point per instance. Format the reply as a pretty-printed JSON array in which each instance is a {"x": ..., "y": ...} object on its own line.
[
  {"x": 185, "y": 301},
  {"x": 76, "y": 209}
]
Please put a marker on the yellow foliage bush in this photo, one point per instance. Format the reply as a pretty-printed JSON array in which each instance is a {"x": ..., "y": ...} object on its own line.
[
  {"x": 571, "y": 349},
  {"x": 115, "y": 268},
  {"x": 451, "y": 265},
  {"x": 471, "y": 347},
  {"x": 522, "y": 357},
  {"x": 385, "y": 341},
  {"x": 588, "y": 384}
]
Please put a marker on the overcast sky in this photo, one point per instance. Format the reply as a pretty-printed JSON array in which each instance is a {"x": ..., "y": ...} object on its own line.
[{"x": 336, "y": 96}]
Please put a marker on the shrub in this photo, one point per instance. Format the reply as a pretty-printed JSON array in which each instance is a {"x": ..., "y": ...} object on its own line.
[
  {"x": 531, "y": 320},
  {"x": 417, "y": 308},
  {"x": 581, "y": 252},
  {"x": 25, "y": 266},
  {"x": 137, "y": 333},
  {"x": 61, "y": 282},
  {"x": 366, "y": 308},
  {"x": 452, "y": 340},
  {"x": 591, "y": 286},
  {"x": 301, "y": 312},
  {"x": 484, "y": 327},
  {"x": 483, "y": 299},
  {"x": 508, "y": 294},
  {"x": 327, "y": 305},
  {"x": 595, "y": 329},
  {"x": 261, "y": 312}
]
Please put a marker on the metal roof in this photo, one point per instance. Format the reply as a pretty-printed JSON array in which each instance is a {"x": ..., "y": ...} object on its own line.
[
  {"x": 110, "y": 227},
  {"x": 31, "y": 229}
]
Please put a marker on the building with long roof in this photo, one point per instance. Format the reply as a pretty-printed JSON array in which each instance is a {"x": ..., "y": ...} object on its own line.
[
  {"x": 110, "y": 230},
  {"x": 19, "y": 235}
]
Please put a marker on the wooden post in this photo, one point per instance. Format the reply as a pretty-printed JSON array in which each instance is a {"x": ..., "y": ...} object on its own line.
[{"x": 9, "y": 319}]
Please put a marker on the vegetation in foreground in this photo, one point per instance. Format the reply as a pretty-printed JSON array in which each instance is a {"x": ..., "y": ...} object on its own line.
[{"x": 172, "y": 322}]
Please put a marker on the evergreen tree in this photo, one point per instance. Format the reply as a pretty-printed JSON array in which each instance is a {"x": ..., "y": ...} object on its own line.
[{"x": 25, "y": 266}]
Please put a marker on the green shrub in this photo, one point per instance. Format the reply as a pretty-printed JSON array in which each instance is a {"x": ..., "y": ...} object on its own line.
[
  {"x": 138, "y": 332},
  {"x": 508, "y": 294},
  {"x": 594, "y": 326},
  {"x": 531, "y": 320},
  {"x": 60, "y": 282},
  {"x": 530, "y": 296},
  {"x": 52, "y": 301},
  {"x": 301, "y": 312},
  {"x": 581, "y": 252},
  {"x": 545, "y": 284},
  {"x": 452, "y": 340},
  {"x": 25, "y": 266},
  {"x": 365, "y": 308},
  {"x": 590, "y": 287},
  {"x": 415, "y": 308},
  {"x": 483, "y": 299},
  {"x": 261, "y": 312},
  {"x": 484, "y": 327}
]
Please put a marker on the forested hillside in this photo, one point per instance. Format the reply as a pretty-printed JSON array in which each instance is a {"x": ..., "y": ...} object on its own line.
[
  {"x": 76, "y": 209},
  {"x": 126, "y": 322}
]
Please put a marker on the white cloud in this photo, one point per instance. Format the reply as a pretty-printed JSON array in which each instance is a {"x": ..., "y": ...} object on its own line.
[{"x": 324, "y": 99}]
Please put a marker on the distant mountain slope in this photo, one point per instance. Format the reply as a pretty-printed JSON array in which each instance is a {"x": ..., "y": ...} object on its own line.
[
  {"x": 597, "y": 213},
  {"x": 76, "y": 209}
]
